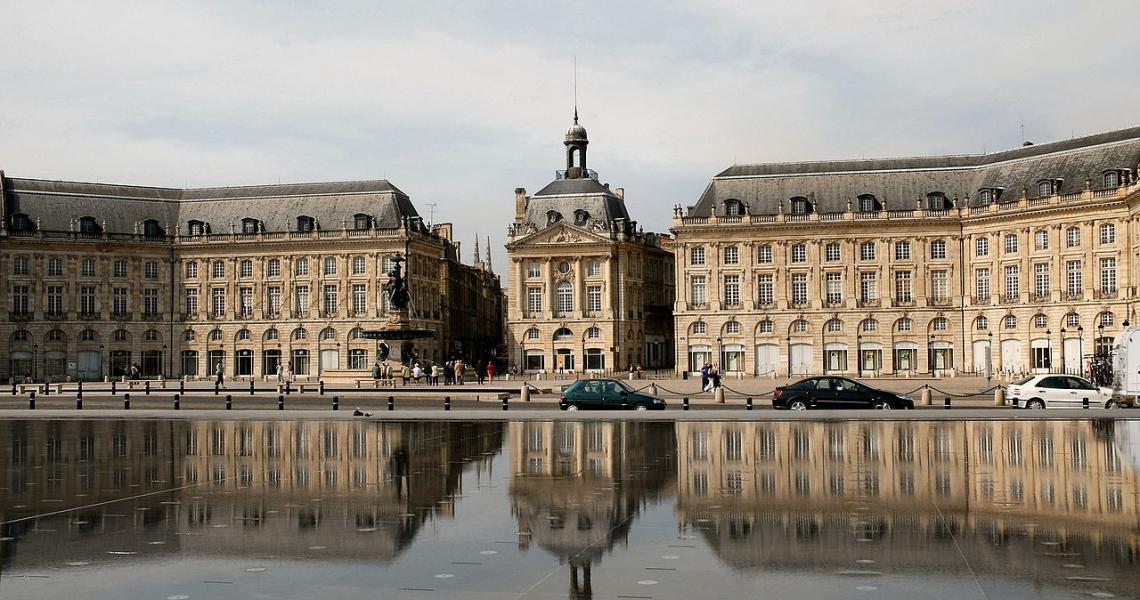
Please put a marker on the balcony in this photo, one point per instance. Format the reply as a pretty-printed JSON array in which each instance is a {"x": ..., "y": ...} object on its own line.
[
  {"x": 121, "y": 316},
  {"x": 55, "y": 316},
  {"x": 1073, "y": 296},
  {"x": 1010, "y": 299},
  {"x": 148, "y": 316},
  {"x": 1105, "y": 294},
  {"x": 799, "y": 304},
  {"x": 20, "y": 317},
  {"x": 90, "y": 316},
  {"x": 832, "y": 303},
  {"x": 980, "y": 301},
  {"x": 1039, "y": 298},
  {"x": 939, "y": 301},
  {"x": 763, "y": 304},
  {"x": 869, "y": 303},
  {"x": 217, "y": 316},
  {"x": 902, "y": 302}
]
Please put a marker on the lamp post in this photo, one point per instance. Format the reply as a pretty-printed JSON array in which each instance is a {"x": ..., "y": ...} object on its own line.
[
  {"x": 930, "y": 353},
  {"x": 34, "y": 359},
  {"x": 1048, "y": 350},
  {"x": 1099, "y": 335},
  {"x": 990, "y": 357},
  {"x": 1081, "y": 344},
  {"x": 859, "y": 353},
  {"x": 1064, "y": 365},
  {"x": 789, "y": 340}
]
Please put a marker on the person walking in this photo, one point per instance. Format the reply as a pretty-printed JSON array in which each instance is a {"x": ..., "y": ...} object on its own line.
[
  {"x": 405, "y": 373},
  {"x": 376, "y": 372},
  {"x": 218, "y": 373},
  {"x": 417, "y": 373},
  {"x": 459, "y": 367},
  {"x": 491, "y": 371},
  {"x": 714, "y": 375},
  {"x": 705, "y": 386},
  {"x": 280, "y": 370}
]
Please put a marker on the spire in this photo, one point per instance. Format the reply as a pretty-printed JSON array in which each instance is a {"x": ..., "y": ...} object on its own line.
[
  {"x": 476, "y": 247},
  {"x": 489, "y": 253}
]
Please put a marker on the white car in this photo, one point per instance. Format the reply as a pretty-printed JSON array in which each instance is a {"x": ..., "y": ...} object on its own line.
[{"x": 1059, "y": 391}]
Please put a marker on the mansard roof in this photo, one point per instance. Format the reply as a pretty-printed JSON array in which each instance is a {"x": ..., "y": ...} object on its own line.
[{"x": 899, "y": 182}]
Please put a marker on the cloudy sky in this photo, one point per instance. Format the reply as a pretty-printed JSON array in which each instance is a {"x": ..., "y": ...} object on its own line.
[{"x": 460, "y": 103}]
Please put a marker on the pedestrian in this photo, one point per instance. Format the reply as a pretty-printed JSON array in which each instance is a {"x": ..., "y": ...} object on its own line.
[
  {"x": 417, "y": 373},
  {"x": 449, "y": 372},
  {"x": 218, "y": 373},
  {"x": 279, "y": 371},
  {"x": 714, "y": 375},
  {"x": 376, "y": 372},
  {"x": 480, "y": 373},
  {"x": 491, "y": 371},
  {"x": 705, "y": 377},
  {"x": 459, "y": 368},
  {"x": 405, "y": 373},
  {"x": 289, "y": 371},
  {"x": 436, "y": 371}
]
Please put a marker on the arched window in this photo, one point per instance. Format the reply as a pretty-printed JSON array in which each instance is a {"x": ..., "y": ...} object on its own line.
[
  {"x": 801, "y": 206},
  {"x": 532, "y": 333},
  {"x": 355, "y": 333},
  {"x": 150, "y": 335},
  {"x": 300, "y": 334},
  {"x": 869, "y": 325},
  {"x": 22, "y": 222},
  {"x": 766, "y": 326},
  {"x": 188, "y": 335},
  {"x": 1009, "y": 322},
  {"x": 565, "y": 293},
  {"x": 271, "y": 334},
  {"x": 249, "y": 225},
  {"x": 301, "y": 267},
  {"x": 328, "y": 333},
  {"x": 833, "y": 325},
  {"x": 939, "y": 324},
  {"x": 273, "y": 267},
  {"x": 581, "y": 217},
  {"x": 985, "y": 196},
  {"x": 799, "y": 326},
  {"x": 89, "y": 226},
  {"x": 121, "y": 335},
  {"x": 330, "y": 265},
  {"x": 88, "y": 335},
  {"x": 216, "y": 335},
  {"x": 195, "y": 227},
  {"x": 869, "y": 203},
  {"x": 1106, "y": 319},
  {"x": 553, "y": 217},
  {"x": 593, "y": 333},
  {"x": 1040, "y": 321},
  {"x": 1041, "y": 240},
  {"x": 563, "y": 333},
  {"x": 55, "y": 335},
  {"x": 361, "y": 221},
  {"x": 733, "y": 208},
  {"x": 305, "y": 223},
  {"x": 937, "y": 201},
  {"x": 243, "y": 335},
  {"x": 21, "y": 335},
  {"x": 904, "y": 324},
  {"x": 698, "y": 328},
  {"x": 152, "y": 230},
  {"x": 981, "y": 323},
  {"x": 1072, "y": 320},
  {"x": 732, "y": 327}
]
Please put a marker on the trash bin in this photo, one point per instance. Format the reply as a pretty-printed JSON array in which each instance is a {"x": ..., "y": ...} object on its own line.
[{"x": 685, "y": 375}]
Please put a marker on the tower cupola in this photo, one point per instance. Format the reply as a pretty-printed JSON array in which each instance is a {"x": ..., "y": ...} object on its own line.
[{"x": 576, "y": 142}]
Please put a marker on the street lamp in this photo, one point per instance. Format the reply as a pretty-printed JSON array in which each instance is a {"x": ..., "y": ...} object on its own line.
[
  {"x": 1063, "y": 361},
  {"x": 789, "y": 340},
  {"x": 990, "y": 357},
  {"x": 1081, "y": 343},
  {"x": 859, "y": 352},
  {"x": 930, "y": 353}
]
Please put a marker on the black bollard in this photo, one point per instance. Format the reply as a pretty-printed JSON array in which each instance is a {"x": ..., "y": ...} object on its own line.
[
  {"x": 748, "y": 403},
  {"x": 447, "y": 403},
  {"x": 946, "y": 403},
  {"x": 79, "y": 404},
  {"x": 112, "y": 387},
  {"x": 47, "y": 389},
  {"x": 391, "y": 403},
  {"x": 1084, "y": 402},
  {"x": 146, "y": 388},
  {"x": 685, "y": 403},
  {"x": 32, "y": 402},
  {"x": 177, "y": 401},
  {"x": 280, "y": 402},
  {"x": 126, "y": 401},
  {"x": 181, "y": 387},
  {"x": 13, "y": 388},
  {"x": 216, "y": 386},
  {"x": 321, "y": 387},
  {"x": 505, "y": 398},
  {"x": 336, "y": 402},
  {"x": 287, "y": 386},
  {"x": 250, "y": 387},
  {"x": 229, "y": 402},
  {"x": 79, "y": 390}
]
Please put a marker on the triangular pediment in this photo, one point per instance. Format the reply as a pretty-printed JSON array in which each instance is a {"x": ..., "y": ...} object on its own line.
[{"x": 561, "y": 234}]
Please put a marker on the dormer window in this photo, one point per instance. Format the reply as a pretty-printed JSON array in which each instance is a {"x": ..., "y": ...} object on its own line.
[
  {"x": 249, "y": 225},
  {"x": 89, "y": 226},
  {"x": 152, "y": 229},
  {"x": 198, "y": 227},
  {"x": 553, "y": 217},
  {"x": 800, "y": 206},
  {"x": 937, "y": 201},
  {"x": 21, "y": 222},
  {"x": 1112, "y": 179},
  {"x": 362, "y": 222},
  {"x": 986, "y": 197},
  {"x": 581, "y": 217},
  {"x": 733, "y": 208},
  {"x": 868, "y": 203},
  {"x": 1044, "y": 188},
  {"x": 305, "y": 224}
]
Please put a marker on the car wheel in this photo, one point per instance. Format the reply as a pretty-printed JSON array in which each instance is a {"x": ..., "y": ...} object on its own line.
[
  {"x": 639, "y": 406},
  {"x": 571, "y": 407},
  {"x": 883, "y": 405},
  {"x": 797, "y": 405},
  {"x": 1035, "y": 403},
  {"x": 1112, "y": 403}
]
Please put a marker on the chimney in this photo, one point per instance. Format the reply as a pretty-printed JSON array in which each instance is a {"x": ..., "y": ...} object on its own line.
[
  {"x": 620, "y": 192},
  {"x": 520, "y": 203}
]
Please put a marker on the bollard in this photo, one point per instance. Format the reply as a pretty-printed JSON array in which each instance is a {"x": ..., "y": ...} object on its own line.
[
  {"x": 181, "y": 387},
  {"x": 447, "y": 403},
  {"x": 112, "y": 387},
  {"x": 748, "y": 403},
  {"x": 216, "y": 386},
  {"x": 946, "y": 403},
  {"x": 32, "y": 402},
  {"x": 999, "y": 397},
  {"x": 524, "y": 393},
  {"x": 146, "y": 388},
  {"x": 287, "y": 386},
  {"x": 685, "y": 403},
  {"x": 79, "y": 390},
  {"x": 336, "y": 402},
  {"x": 13, "y": 388},
  {"x": 1084, "y": 402},
  {"x": 653, "y": 389},
  {"x": 250, "y": 387},
  {"x": 79, "y": 404},
  {"x": 505, "y": 398},
  {"x": 229, "y": 402},
  {"x": 391, "y": 403},
  {"x": 281, "y": 403},
  {"x": 718, "y": 395},
  {"x": 47, "y": 389},
  {"x": 321, "y": 386},
  {"x": 925, "y": 398},
  {"x": 177, "y": 401},
  {"x": 126, "y": 401}
]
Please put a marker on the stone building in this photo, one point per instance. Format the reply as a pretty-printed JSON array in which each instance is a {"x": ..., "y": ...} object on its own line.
[
  {"x": 588, "y": 289},
  {"x": 1011, "y": 262},
  {"x": 97, "y": 277}
]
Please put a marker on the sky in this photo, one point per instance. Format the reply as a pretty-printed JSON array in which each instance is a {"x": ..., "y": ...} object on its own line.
[{"x": 459, "y": 103}]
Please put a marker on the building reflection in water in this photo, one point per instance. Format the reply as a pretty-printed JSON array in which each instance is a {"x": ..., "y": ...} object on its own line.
[
  {"x": 577, "y": 487},
  {"x": 351, "y": 488}
]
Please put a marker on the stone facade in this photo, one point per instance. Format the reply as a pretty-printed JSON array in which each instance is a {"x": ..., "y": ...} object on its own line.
[
  {"x": 1014, "y": 262},
  {"x": 144, "y": 283},
  {"x": 587, "y": 290}
]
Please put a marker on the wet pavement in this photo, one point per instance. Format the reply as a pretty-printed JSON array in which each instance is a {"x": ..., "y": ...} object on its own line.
[{"x": 184, "y": 509}]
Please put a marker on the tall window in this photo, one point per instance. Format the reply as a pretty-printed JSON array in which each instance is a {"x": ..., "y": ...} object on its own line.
[
  {"x": 119, "y": 268},
  {"x": 799, "y": 253},
  {"x": 273, "y": 300},
  {"x": 87, "y": 295},
  {"x": 832, "y": 252},
  {"x": 218, "y": 299},
  {"x": 1041, "y": 285},
  {"x": 939, "y": 286},
  {"x": 245, "y": 268},
  {"x": 358, "y": 265},
  {"x": 87, "y": 268},
  {"x": 732, "y": 290},
  {"x": 150, "y": 301},
  {"x": 55, "y": 267},
  {"x": 594, "y": 298},
  {"x": 903, "y": 286},
  {"x": 21, "y": 299},
  {"x": 697, "y": 291},
  {"x": 982, "y": 246},
  {"x": 867, "y": 251},
  {"x": 1045, "y": 188},
  {"x": 330, "y": 265},
  {"x": 191, "y": 270},
  {"x": 534, "y": 300},
  {"x": 764, "y": 254},
  {"x": 1107, "y": 233},
  {"x": 119, "y": 301},
  {"x": 697, "y": 256},
  {"x": 1108, "y": 275},
  {"x": 245, "y": 301},
  {"x": 1041, "y": 240},
  {"x": 565, "y": 294},
  {"x": 330, "y": 300},
  {"x": 593, "y": 267},
  {"x": 1010, "y": 243},
  {"x": 982, "y": 284},
  {"x": 834, "y": 287},
  {"x": 1111, "y": 179},
  {"x": 902, "y": 250},
  {"x": 301, "y": 300},
  {"x": 868, "y": 285},
  {"x": 731, "y": 255},
  {"x": 938, "y": 249},
  {"x": 765, "y": 292},
  {"x": 799, "y": 288},
  {"x": 359, "y": 298},
  {"x": 533, "y": 269},
  {"x": 1073, "y": 237},
  {"x": 218, "y": 269},
  {"x": 1073, "y": 284},
  {"x": 301, "y": 267},
  {"x": 1012, "y": 282},
  {"x": 55, "y": 299}
]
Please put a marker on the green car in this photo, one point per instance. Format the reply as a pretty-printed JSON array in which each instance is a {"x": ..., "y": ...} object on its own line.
[{"x": 607, "y": 394}]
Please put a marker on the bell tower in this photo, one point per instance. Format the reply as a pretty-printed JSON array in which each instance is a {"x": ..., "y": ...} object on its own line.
[{"x": 576, "y": 143}]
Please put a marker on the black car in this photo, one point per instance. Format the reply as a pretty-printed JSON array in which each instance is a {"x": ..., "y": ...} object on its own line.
[
  {"x": 607, "y": 394},
  {"x": 836, "y": 392}
]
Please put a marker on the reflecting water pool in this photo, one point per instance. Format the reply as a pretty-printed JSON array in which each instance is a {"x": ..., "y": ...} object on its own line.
[{"x": 184, "y": 509}]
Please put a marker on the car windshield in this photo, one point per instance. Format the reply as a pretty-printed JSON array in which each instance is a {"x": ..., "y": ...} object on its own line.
[
  {"x": 622, "y": 386},
  {"x": 1025, "y": 380}
]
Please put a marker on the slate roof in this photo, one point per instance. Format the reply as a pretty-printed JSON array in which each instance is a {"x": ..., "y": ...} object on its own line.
[
  {"x": 901, "y": 181},
  {"x": 569, "y": 195},
  {"x": 56, "y": 203}
]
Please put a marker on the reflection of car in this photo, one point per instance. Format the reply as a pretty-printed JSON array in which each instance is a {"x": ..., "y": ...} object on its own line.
[
  {"x": 1059, "y": 391},
  {"x": 607, "y": 394},
  {"x": 836, "y": 392}
]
